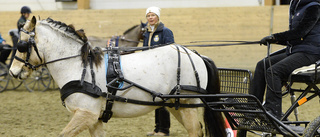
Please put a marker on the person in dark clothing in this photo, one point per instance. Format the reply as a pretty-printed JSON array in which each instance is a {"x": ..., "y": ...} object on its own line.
[
  {"x": 4, "y": 53},
  {"x": 303, "y": 49},
  {"x": 158, "y": 34},
  {"x": 25, "y": 13}
]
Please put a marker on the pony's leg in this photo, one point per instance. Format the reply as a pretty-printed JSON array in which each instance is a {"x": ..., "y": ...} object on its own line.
[
  {"x": 96, "y": 130},
  {"x": 80, "y": 121},
  {"x": 188, "y": 117}
]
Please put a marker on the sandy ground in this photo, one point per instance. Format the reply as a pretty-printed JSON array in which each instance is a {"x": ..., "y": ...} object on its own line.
[{"x": 40, "y": 114}]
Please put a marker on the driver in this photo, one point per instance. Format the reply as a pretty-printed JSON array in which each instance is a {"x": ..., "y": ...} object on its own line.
[
  {"x": 303, "y": 49},
  {"x": 25, "y": 13}
]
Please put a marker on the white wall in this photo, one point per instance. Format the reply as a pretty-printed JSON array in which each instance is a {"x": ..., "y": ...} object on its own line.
[
  {"x": 15, "y": 5},
  {"x": 135, "y": 4}
]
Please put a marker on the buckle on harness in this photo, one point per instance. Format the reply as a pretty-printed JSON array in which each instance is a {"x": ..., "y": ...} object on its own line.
[
  {"x": 107, "y": 113},
  {"x": 177, "y": 100}
]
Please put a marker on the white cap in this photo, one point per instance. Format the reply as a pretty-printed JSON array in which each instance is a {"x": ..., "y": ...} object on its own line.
[{"x": 155, "y": 10}]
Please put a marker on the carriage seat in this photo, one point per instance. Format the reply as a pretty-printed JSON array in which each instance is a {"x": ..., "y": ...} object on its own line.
[
  {"x": 14, "y": 32},
  {"x": 307, "y": 74}
]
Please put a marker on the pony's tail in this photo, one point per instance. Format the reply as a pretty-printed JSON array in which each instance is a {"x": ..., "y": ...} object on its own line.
[{"x": 214, "y": 122}]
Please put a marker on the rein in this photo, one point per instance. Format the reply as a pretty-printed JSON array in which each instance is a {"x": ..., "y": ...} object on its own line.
[
  {"x": 229, "y": 43},
  {"x": 116, "y": 42}
]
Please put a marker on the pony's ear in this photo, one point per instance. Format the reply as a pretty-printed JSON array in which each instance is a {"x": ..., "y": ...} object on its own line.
[
  {"x": 33, "y": 21},
  {"x": 142, "y": 24}
]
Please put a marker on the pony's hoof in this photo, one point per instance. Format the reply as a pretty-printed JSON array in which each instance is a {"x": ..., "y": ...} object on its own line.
[{"x": 157, "y": 134}]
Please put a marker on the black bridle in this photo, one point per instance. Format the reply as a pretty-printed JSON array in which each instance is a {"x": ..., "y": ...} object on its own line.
[{"x": 26, "y": 46}]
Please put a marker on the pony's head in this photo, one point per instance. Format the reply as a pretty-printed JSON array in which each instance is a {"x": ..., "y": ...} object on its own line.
[
  {"x": 132, "y": 36},
  {"x": 28, "y": 54},
  {"x": 34, "y": 36}
]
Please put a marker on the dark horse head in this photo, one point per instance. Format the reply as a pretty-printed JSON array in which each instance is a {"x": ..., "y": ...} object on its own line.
[{"x": 130, "y": 37}]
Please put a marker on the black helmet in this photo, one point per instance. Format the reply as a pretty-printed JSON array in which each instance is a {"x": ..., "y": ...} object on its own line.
[{"x": 25, "y": 9}]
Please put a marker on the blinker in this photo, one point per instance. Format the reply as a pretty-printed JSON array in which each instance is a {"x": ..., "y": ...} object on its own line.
[{"x": 22, "y": 46}]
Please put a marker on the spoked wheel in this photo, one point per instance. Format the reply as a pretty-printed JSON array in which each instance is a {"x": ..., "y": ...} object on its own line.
[
  {"x": 13, "y": 83},
  {"x": 313, "y": 129},
  {"x": 39, "y": 80},
  {"x": 53, "y": 85},
  {"x": 4, "y": 76}
]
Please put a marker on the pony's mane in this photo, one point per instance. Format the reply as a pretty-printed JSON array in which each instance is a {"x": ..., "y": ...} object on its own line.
[
  {"x": 79, "y": 36},
  {"x": 130, "y": 29}
]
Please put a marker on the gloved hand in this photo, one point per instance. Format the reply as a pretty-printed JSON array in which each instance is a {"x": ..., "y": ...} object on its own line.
[{"x": 268, "y": 39}]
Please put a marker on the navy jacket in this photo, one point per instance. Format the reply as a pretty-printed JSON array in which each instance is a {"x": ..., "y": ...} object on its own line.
[
  {"x": 304, "y": 28},
  {"x": 22, "y": 20},
  {"x": 162, "y": 35}
]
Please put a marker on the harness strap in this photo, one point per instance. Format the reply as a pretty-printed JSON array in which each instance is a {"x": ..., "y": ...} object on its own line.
[
  {"x": 26, "y": 63},
  {"x": 93, "y": 75},
  {"x": 178, "y": 88},
  {"x": 76, "y": 87},
  {"x": 28, "y": 54},
  {"x": 131, "y": 84},
  {"x": 194, "y": 68},
  {"x": 149, "y": 103},
  {"x": 49, "y": 62},
  {"x": 113, "y": 64},
  {"x": 84, "y": 72},
  {"x": 190, "y": 88},
  {"x": 33, "y": 43}
]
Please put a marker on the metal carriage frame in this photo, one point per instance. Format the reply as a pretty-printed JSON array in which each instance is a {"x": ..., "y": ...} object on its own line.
[{"x": 245, "y": 112}]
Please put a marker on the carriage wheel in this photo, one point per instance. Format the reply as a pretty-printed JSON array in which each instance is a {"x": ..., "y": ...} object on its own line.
[
  {"x": 13, "y": 83},
  {"x": 313, "y": 129},
  {"x": 53, "y": 85},
  {"x": 39, "y": 80},
  {"x": 4, "y": 76}
]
